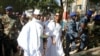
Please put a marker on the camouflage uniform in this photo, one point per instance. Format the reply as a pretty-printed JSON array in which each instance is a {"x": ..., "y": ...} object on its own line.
[
  {"x": 8, "y": 23},
  {"x": 71, "y": 33},
  {"x": 9, "y": 31}
]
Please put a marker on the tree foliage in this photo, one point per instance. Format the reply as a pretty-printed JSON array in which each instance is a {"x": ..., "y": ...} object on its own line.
[
  {"x": 95, "y": 1},
  {"x": 20, "y": 5}
]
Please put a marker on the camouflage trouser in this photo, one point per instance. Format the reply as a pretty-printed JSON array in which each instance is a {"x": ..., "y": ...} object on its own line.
[
  {"x": 69, "y": 40},
  {"x": 84, "y": 41}
]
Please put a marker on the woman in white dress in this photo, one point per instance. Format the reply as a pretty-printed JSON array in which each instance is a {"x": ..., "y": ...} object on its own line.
[{"x": 54, "y": 44}]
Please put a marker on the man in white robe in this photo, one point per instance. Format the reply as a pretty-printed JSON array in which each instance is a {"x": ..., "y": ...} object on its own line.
[{"x": 29, "y": 38}]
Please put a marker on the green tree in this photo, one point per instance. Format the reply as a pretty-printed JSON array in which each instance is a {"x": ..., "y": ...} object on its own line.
[
  {"x": 20, "y": 5},
  {"x": 95, "y": 1}
]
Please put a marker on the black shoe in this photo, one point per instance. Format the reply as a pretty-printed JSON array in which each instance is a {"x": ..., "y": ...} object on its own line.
[{"x": 67, "y": 55}]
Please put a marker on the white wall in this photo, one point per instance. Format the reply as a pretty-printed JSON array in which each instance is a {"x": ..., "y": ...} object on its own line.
[
  {"x": 73, "y": 6},
  {"x": 84, "y": 4}
]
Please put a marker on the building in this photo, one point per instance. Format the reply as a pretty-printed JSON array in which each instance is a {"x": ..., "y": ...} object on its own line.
[{"x": 79, "y": 5}]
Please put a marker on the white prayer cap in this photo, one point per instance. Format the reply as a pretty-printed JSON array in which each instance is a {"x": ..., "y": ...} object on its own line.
[{"x": 36, "y": 12}]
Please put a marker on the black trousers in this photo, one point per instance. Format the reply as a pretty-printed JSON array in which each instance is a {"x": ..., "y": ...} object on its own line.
[
  {"x": 9, "y": 46},
  {"x": 1, "y": 51}
]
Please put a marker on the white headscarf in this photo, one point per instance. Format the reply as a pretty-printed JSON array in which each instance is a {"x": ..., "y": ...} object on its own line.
[{"x": 29, "y": 12}]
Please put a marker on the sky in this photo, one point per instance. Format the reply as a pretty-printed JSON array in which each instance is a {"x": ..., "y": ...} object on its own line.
[{"x": 58, "y": 1}]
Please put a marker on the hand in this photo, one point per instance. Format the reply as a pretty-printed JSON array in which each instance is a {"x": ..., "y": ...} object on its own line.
[{"x": 54, "y": 42}]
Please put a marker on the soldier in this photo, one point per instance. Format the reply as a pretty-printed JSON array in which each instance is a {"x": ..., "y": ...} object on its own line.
[
  {"x": 1, "y": 38},
  {"x": 8, "y": 20},
  {"x": 83, "y": 31},
  {"x": 71, "y": 33},
  {"x": 4, "y": 42}
]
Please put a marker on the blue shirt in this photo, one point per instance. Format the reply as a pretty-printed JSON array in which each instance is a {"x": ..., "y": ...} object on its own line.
[
  {"x": 84, "y": 21},
  {"x": 72, "y": 27}
]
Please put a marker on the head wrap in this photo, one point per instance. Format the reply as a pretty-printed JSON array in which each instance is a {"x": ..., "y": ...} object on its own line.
[{"x": 28, "y": 13}]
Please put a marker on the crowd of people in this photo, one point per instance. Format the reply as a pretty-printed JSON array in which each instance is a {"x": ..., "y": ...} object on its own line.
[{"x": 32, "y": 33}]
